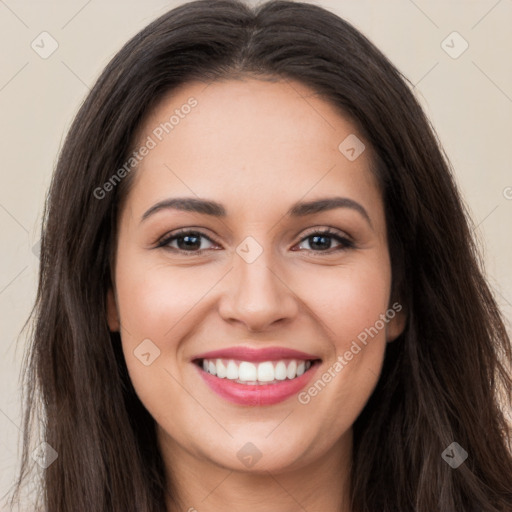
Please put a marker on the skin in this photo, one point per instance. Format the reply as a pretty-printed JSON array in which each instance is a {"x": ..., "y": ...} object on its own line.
[{"x": 257, "y": 147}]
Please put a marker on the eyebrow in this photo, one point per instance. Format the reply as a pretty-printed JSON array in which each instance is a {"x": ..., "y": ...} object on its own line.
[{"x": 299, "y": 209}]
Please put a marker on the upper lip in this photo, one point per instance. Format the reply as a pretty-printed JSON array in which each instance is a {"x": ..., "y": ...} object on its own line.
[{"x": 256, "y": 354}]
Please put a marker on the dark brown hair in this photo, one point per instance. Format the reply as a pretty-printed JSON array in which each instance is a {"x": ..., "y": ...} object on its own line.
[{"x": 443, "y": 379}]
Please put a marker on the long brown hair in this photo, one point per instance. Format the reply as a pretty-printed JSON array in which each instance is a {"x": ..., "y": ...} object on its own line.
[{"x": 443, "y": 379}]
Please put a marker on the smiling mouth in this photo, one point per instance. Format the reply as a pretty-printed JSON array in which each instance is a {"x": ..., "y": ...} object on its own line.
[{"x": 256, "y": 373}]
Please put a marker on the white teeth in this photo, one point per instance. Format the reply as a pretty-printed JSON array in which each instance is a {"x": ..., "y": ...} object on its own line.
[
  {"x": 247, "y": 371},
  {"x": 280, "y": 371},
  {"x": 221, "y": 369},
  {"x": 266, "y": 372},
  {"x": 256, "y": 373},
  {"x": 232, "y": 371},
  {"x": 292, "y": 369}
]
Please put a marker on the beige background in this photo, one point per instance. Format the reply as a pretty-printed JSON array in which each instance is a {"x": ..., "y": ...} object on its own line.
[{"x": 469, "y": 100}]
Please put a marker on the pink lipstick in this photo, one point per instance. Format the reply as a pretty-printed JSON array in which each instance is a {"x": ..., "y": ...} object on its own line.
[{"x": 247, "y": 376}]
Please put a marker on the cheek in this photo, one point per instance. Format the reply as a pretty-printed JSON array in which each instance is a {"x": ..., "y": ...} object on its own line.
[
  {"x": 156, "y": 307},
  {"x": 153, "y": 299},
  {"x": 348, "y": 303},
  {"x": 351, "y": 307},
  {"x": 162, "y": 304},
  {"x": 347, "y": 299}
]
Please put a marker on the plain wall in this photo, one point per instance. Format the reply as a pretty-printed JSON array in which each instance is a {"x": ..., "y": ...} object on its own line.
[{"x": 468, "y": 99}]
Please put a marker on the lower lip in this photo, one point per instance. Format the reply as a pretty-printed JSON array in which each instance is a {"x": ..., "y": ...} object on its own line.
[{"x": 259, "y": 394}]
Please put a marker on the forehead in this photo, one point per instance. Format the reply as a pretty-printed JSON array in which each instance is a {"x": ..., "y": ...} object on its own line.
[{"x": 248, "y": 140}]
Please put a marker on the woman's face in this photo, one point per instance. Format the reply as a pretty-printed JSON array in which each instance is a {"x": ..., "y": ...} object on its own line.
[{"x": 259, "y": 274}]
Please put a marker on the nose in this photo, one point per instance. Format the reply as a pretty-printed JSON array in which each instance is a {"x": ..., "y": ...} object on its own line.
[{"x": 257, "y": 295}]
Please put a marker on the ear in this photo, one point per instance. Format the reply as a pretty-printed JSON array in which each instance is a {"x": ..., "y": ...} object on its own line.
[
  {"x": 397, "y": 322},
  {"x": 112, "y": 313}
]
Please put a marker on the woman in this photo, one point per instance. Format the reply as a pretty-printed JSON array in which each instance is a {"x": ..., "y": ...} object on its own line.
[{"x": 199, "y": 346}]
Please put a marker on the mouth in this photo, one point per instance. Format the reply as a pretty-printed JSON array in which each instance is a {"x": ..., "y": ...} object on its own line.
[
  {"x": 251, "y": 373},
  {"x": 256, "y": 383}
]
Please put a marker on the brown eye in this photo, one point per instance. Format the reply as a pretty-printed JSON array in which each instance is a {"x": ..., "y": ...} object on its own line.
[
  {"x": 321, "y": 241},
  {"x": 185, "y": 241}
]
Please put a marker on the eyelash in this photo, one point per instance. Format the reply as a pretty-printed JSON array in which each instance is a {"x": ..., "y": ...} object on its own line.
[{"x": 345, "y": 242}]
